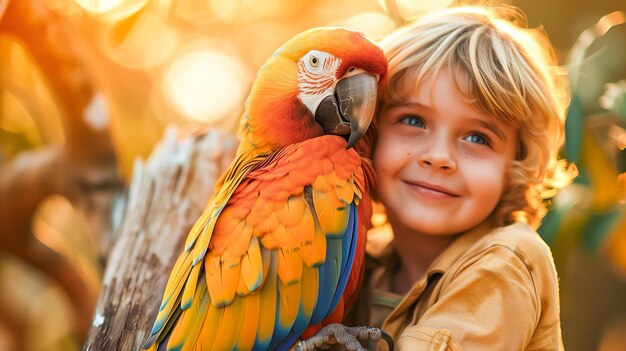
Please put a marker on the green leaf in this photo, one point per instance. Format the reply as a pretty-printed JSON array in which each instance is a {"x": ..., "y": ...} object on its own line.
[
  {"x": 574, "y": 125},
  {"x": 550, "y": 225},
  {"x": 599, "y": 226}
]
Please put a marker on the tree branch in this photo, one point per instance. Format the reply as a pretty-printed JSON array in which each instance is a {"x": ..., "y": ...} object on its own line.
[{"x": 166, "y": 196}]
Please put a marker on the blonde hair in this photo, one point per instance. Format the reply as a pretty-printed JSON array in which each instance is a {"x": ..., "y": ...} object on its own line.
[{"x": 512, "y": 75}]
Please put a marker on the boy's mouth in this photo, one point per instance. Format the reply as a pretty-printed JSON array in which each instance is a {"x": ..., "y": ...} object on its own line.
[{"x": 431, "y": 189}]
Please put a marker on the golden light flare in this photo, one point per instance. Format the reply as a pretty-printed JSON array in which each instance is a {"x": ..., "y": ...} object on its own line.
[
  {"x": 3, "y": 6},
  {"x": 111, "y": 10},
  {"x": 260, "y": 40},
  {"x": 58, "y": 225},
  {"x": 14, "y": 117},
  {"x": 374, "y": 25},
  {"x": 231, "y": 11},
  {"x": 224, "y": 9},
  {"x": 143, "y": 44},
  {"x": 275, "y": 8},
  {"x": 26, "y": 96},
  {"x": 67, "y": 8},
  {"x": 205, "y": 85},
  {"x": 195, "y": 11},
  {"x": 409, "y": 9}
]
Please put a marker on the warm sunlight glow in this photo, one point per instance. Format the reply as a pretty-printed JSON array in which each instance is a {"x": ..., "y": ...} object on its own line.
[
  {"x": 275, "y": 7},
  {"x": 62, "y": 7},
  {"x": 196, "y": 12},
  {"x": 15, "y": 118},
  {"x": 113, "y": 9},
  {"x": 411, "y": 8},
  {"x": 374, "y": 25},
  {"x": 147, "y": 43},
  {"x": 225, "y": 10},
  {"x": 205, "y": 85},
  {"x": 99, "y": 6}
]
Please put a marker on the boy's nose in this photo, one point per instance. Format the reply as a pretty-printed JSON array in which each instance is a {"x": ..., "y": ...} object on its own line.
[{"x": 439, "y": 157}]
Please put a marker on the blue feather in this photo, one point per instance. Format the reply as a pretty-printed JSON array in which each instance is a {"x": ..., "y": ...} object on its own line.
[
  {"x": 333, "y": 277},
  {"x": 335, "y": 273},
  {"x": 349, "y": 247},
  {"x": 279, "y": 331},
  {"x": 327, "y": 283}
]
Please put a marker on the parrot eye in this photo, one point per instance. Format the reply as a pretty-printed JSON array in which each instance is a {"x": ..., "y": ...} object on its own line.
[
  {"x": 318, "y": 62},
  {"x": 314, "y": 61}
]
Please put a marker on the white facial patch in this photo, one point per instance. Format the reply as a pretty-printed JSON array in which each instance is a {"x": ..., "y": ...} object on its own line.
[{"x": 317, "y": 72}]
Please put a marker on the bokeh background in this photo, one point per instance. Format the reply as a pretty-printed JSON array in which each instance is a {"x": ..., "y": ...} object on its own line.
[{"x": 89, "y": 86}]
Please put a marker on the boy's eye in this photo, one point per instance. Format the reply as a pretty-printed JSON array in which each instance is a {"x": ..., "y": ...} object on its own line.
[
  {"x": 478, "y": 139},
  {"x": 413, "y": 121}
]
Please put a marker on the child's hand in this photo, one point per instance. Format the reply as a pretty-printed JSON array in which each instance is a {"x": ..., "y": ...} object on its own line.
[{"x": 339, "y": 337}]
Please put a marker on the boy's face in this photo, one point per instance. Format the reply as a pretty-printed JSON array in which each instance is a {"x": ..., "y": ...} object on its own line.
[{"x": 442, "y": 165}]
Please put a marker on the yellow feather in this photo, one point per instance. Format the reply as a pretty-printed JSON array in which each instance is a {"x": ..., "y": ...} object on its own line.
[
  {"x": 179, "y": 272},
  {"x": 268, "y": 300},
  {"x": 336, "y": 223},
  {"x": 208, "y": 330},
  {"x": 289, "y": 303},
  {"x": 250, "y": 322},
  {"x": 252, "y": 266},
  {"x": 202, "y": 245},
  {"x": 322, "y": 184},
  {"x": 328, "y": 198},
  {"x": 289, "y": 266},
  {"x": 211, "y": 264},
  {"x": 269, "y": 242},
  {"x": 334, "y": 179},
  {"x": 344, "y": 192},
  {"x": 190, "y": 286},
  {"x": 332, "y": 219},
  {"x": 285, "y": 238},
  {"x": 313, "y": 253},
  {"x": 304, "y": 229},
  {"x": 242, "y": 289},
  {"x": 237, "y": 246},
  {"x": 230, "y": 325},
  {"x": 198, "y": 226},
  {"x": 357, "y": 191},
  {"x": 188, "y": 326},
  {"x": 266, "y": 256},
  {"x": 293, "y": 212},
  {"x": 222, "y": 283},
  {"x": 230, "y": 280},
  {"x": 166, "y": 311},
  {"x": 308, "y": 297}
]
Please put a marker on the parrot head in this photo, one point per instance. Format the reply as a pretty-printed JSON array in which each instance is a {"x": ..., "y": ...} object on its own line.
[{"x": 322, "y": 81}]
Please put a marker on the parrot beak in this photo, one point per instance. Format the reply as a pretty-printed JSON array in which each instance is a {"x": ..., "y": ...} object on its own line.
[{"x": 351, "y": 109}]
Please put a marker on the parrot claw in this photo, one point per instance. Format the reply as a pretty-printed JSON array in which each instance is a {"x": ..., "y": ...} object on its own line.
[{"x": 348, "y": 337}]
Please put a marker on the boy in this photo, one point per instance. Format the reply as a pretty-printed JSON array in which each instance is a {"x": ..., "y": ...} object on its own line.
[{"x": 470, "y": 124}]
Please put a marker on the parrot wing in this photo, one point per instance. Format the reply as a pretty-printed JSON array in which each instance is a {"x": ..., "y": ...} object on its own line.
[{"x": 274, "y": 259}]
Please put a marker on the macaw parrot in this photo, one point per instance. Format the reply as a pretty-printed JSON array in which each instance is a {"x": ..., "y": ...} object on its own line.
[{"x": 278, "y": 251}]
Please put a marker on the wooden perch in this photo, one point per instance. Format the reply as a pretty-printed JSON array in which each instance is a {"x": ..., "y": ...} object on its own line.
[{"x": 166, "y": 196}]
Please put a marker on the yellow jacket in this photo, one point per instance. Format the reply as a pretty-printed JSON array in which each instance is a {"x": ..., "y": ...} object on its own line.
[{"x": 491, "y": 289}]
